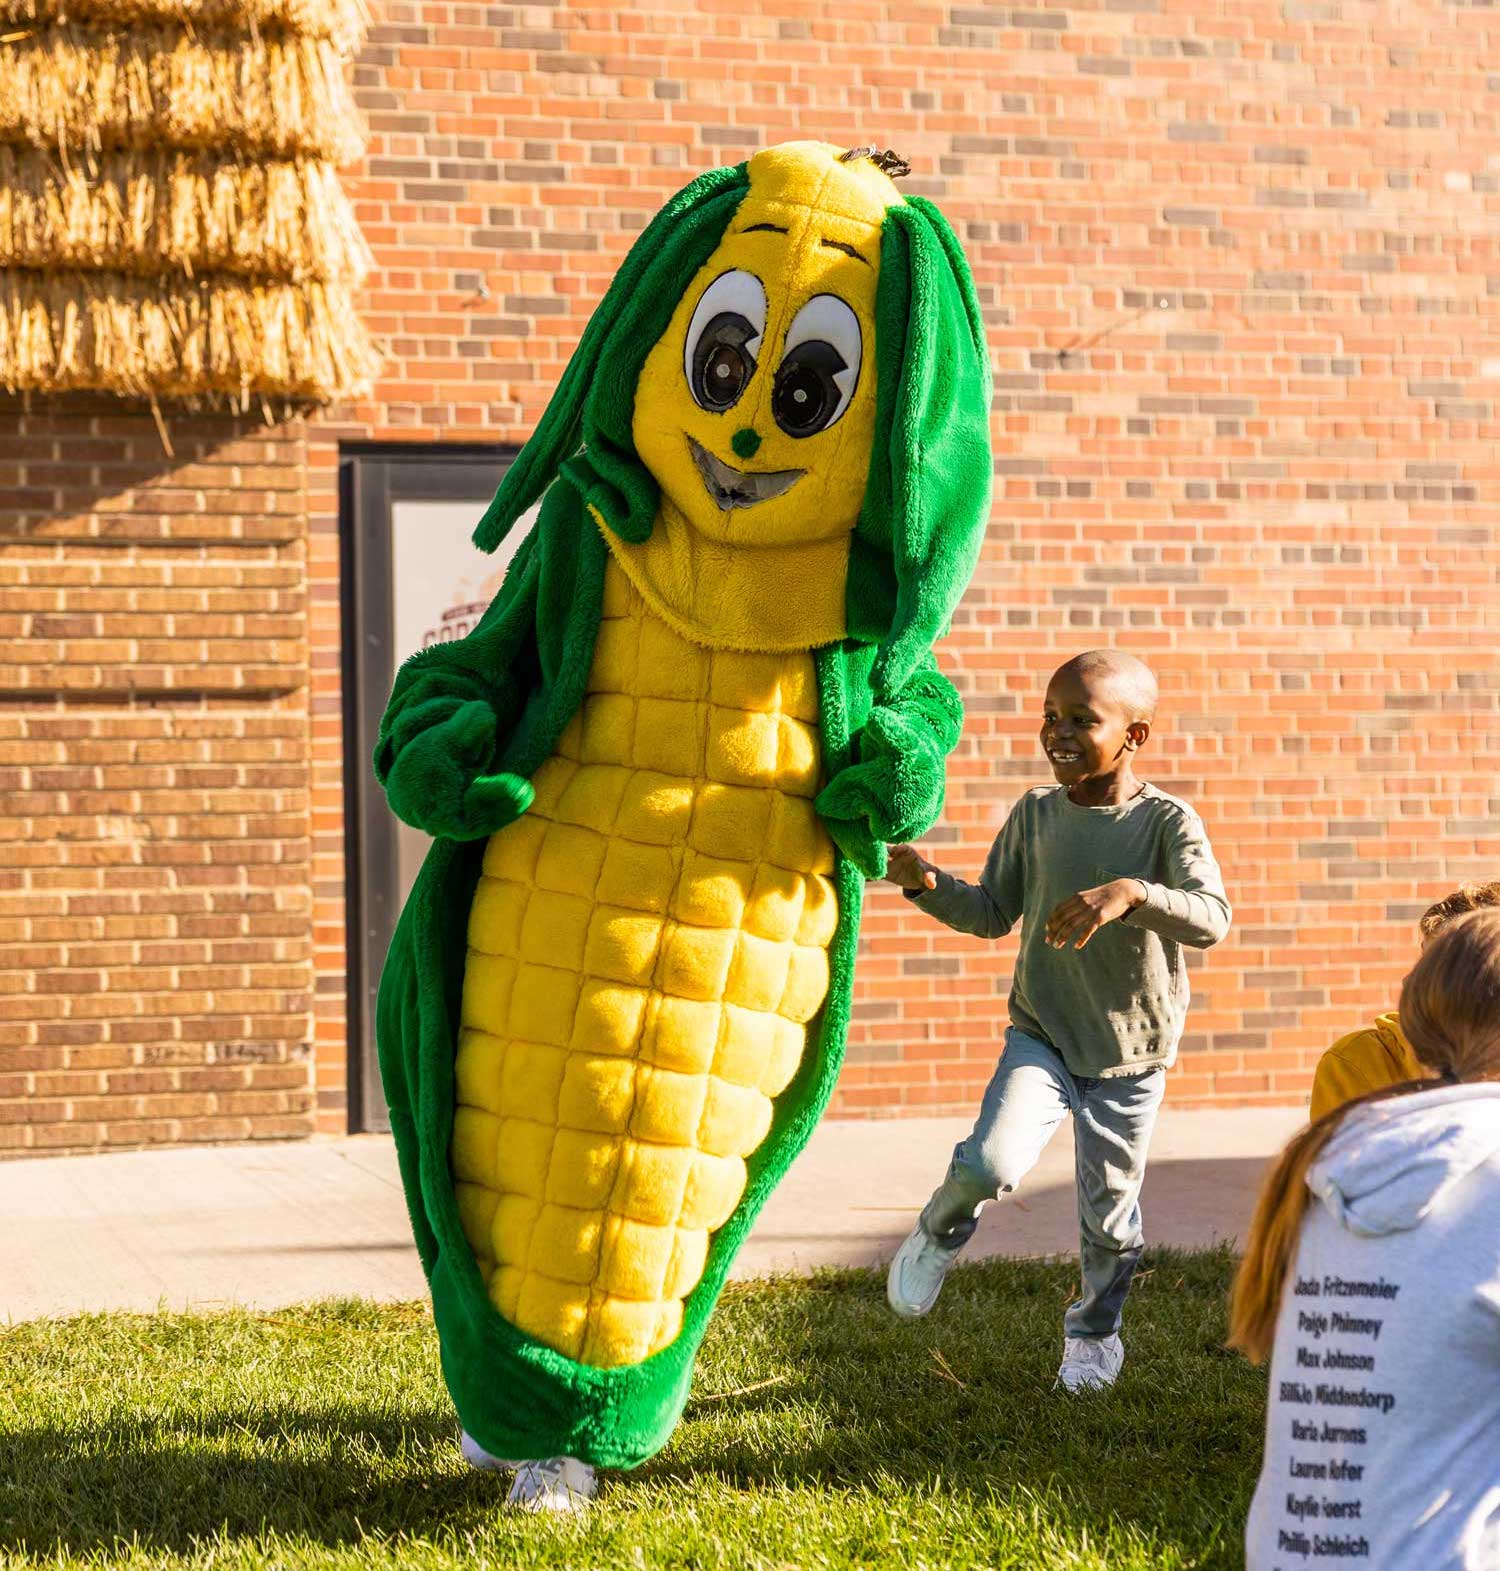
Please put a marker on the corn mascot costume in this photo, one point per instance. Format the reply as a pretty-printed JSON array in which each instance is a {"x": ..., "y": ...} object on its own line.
[{"x": 659, "y": 770}]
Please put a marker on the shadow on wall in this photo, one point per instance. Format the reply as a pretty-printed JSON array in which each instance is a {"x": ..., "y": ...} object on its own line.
[
  {"x": 97, "y": 469},
  {"x": 208, "y": 599}
]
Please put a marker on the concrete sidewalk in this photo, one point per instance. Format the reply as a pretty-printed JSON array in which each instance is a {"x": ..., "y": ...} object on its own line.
[{"x": 269, "y": 1225}]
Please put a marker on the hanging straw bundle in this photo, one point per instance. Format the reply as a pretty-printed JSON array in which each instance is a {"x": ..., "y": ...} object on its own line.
[
  {"x": 225, "y": 339},
  {"x": 341, "y": 21},
  {"x": 193, "y": 213},
  {"x": 263, "y": 96},
  {"x": 171, "y": 224}
]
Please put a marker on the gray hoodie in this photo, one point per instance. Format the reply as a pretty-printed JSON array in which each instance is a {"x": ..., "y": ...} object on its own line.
[{"x": 1383, "y": 1422}]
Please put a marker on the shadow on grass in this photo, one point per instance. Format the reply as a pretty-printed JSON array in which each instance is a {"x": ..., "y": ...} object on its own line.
[
  {"x": 965, "y": 1399},
  {"x": 803, "y": 1383},
  {"x": 333, "y": 1476}
]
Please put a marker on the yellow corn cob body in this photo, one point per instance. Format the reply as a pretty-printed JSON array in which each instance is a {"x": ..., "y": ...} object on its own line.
[{"x": 646, "y": 948}]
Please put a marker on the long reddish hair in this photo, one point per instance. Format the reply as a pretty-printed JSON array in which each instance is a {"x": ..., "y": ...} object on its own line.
[{"x": 1450, "y": 1013}]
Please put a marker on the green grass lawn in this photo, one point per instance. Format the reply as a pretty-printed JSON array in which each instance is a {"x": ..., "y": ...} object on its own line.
[{"x": 822, "y": 1433}]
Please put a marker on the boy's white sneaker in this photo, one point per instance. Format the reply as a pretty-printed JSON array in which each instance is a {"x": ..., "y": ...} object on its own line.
[
  {"x": 1090, "y": 1363},
  {"x": 917, "y": 1273},
  {"x": 476, "y": 1456},
  {"x": 560, "y": 1484}
]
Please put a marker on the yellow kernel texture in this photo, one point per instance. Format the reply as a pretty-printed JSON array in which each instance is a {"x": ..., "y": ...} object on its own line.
[{"x": 647, "y": 951}]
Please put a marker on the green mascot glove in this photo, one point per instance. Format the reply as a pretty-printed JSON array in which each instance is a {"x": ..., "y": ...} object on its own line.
[
  {"x": 438, "y": 777},
  {"x": 894, "y": 791}
]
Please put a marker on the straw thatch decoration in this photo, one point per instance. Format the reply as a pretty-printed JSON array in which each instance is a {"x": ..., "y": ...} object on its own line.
[
  {"x": 171, "y": 224},
  {"x": 155, "y": 87},
  {"x": 343, "y": 21},
  {"x": 148, "y": 340},
  {"x": 179, "y": 213}
]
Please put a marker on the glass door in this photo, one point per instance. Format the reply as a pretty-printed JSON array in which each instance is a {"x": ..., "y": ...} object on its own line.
[{"x": 412, "y": 577}]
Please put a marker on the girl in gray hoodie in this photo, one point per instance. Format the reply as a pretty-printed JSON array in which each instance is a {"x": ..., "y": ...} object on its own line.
[{"x": 1372, "y": 1278}]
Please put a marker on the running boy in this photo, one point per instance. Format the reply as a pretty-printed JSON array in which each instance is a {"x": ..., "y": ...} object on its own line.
[{"x": 1109, "y": 877}]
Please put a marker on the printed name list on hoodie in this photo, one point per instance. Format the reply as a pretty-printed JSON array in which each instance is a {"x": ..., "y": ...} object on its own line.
[
  {"x": 1337, "y": 1390},
  {"x": 1383, "y": 1419}
]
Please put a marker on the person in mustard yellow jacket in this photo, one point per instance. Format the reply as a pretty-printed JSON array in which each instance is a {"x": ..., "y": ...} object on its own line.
[{"x": 1379, "y": 1055}]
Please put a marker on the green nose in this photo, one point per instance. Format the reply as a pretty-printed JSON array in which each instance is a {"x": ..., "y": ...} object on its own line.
[{"x": 745, "y": 443}]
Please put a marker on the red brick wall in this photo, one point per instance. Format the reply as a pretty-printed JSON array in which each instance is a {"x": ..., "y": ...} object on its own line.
[
  {"x": 1242, "y": 283},
  {"x": 154, "y": 952},
  {"x": 1279, "y": 485}
]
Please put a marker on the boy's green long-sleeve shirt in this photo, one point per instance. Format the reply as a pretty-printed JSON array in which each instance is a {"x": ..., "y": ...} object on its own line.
[{"x": 1117, "y": 1006}]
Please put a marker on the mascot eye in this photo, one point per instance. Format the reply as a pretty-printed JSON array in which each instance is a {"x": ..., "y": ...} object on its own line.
[
  {"x": 819, "y": 367},
  {"x": 726, "y": 330}
]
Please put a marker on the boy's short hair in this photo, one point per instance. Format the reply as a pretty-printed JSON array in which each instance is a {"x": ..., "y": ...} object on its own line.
[
  {"x": 1130, "y": 680},
  {"x": 1466, "y": 898}
]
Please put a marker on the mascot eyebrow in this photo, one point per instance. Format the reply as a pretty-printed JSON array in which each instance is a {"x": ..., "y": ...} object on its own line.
[
  {"x": 657, "y": 775},
  {"x": 832, "y": 245}
]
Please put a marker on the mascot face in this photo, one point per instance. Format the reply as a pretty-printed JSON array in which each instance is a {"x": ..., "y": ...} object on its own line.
[{"x": 755, "y": 411}]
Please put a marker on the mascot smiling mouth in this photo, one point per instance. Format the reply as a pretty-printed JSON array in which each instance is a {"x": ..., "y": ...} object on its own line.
[{"x": 731, "y": 488}]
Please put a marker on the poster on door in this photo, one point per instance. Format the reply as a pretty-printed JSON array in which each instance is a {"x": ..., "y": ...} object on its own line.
[{"x": 441, "y": 584}]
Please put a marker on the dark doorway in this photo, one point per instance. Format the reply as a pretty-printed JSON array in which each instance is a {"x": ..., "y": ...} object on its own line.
[{"x": 411, "y": 576}]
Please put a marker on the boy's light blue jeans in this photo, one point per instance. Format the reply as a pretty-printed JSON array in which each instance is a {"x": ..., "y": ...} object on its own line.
[{"x": 1027, "y": 1098}]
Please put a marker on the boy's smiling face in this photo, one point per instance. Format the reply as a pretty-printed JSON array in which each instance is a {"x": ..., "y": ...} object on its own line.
[{"x": 1091, "y": 728}]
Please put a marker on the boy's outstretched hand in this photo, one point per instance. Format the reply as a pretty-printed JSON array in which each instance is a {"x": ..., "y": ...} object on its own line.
[
  {"x": 905, "y": 866},
  {"x": 1075, "y": 920}
]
